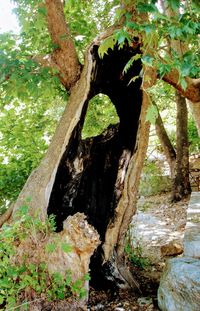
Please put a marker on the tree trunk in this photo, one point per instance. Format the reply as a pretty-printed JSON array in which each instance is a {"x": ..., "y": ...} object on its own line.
[
  {"x": 181, "y": 185},
  {"x": 166, "y": 144},
  {"x": 98, "y": 176}
]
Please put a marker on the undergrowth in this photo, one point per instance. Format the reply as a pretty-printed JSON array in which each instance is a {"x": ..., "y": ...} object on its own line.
[
  {"x": 22, "y": 281},
  {"x": 134, "y": 254}
]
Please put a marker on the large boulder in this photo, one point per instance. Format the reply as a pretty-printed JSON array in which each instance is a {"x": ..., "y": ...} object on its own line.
[
  {"x": 179, "y": 288},
  {"x": 192, "y": 233},
  {"x": 155, "y": 238}
]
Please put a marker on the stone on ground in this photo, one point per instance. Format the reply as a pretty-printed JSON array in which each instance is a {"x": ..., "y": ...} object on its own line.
[
  {"x": 155, "y": 238},
  {"x": 179, "y": 288}
]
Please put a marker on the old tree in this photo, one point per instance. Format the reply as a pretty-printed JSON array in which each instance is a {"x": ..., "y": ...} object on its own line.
[{"x": 99, "y": 176}]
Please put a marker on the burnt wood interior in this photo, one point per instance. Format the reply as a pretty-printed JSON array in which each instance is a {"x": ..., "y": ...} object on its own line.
[{"x": 87, "y": 173}]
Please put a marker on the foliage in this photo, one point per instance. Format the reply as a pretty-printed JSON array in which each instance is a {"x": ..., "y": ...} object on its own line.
[
  {"x": 193, "y": 136},
  {"x": 31, "y": 103},
  {"x": 101, "y": 113},
  {"x": 134, "y": 254},
  {"x": 22, "y": 282},
  {"x": 32, "y": 98},
  {"x": 153, "y": 180},
  {"x": 154, "y": 29},
  {"x": 152, "y": 114},
  {"x": 86, "y": 19}
]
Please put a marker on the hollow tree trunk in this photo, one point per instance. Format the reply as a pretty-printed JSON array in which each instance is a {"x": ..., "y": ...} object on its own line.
[
  {"x": 181, "y": 184},
  {"x": 98, "y": 176}
]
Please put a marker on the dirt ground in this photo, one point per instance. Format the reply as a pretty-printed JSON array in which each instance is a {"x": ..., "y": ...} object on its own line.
[{"x": 145, "y": 299}]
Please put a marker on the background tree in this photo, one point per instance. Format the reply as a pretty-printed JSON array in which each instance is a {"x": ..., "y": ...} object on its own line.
[{"x": 178, "y": 156}]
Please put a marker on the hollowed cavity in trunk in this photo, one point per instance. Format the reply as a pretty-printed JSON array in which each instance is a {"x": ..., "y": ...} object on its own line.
[
  {"x": 86, "y": 179},
  {"x": 100, "y": 114}
]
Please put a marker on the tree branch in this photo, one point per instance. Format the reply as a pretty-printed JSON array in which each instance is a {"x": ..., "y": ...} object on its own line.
[
  {"x": 192, "y": 91},
  {"x": 64, "y": 55}
]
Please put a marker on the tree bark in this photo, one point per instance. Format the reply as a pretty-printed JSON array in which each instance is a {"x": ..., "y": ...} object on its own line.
[
  {"x": 181, "y": 185},
  {"x": 166, "y": 144},
  {"x": 64, "y": 57},
  {"x": 192, "y": 91},
  {"x": 99, "y": 176}
]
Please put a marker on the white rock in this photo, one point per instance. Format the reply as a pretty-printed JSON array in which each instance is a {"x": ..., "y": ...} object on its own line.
[
  {"x": 154, "y": 237},
  {"x": 192, "y": 234},
  {"x": 179, "y": 288}
]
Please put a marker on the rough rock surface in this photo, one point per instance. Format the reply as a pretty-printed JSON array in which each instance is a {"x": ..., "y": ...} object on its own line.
[
  {"x": 155, "y": 238},
  {"x": 192, "y": 233},
  {"x": 179, "y": 288}
]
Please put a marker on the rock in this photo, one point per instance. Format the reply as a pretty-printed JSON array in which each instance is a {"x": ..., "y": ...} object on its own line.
[
  {"x": 172, "y": 248},
  {"x": 192, "y": 235},
  {"x": 179, "y": 288},
  {"x": 145, "y": 301},
  {"x": 99, "y": 306},
  {"x": 154, "y": 237}
]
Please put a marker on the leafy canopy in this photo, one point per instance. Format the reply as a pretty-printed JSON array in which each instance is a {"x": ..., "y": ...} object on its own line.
[{"x": 32, "y": 97}]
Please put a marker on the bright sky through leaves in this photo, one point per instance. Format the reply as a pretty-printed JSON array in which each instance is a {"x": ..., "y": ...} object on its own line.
[{"x": 8, "y": 20}]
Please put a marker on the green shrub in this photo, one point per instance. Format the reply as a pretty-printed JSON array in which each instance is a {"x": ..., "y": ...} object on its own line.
[
  {"x": 23, "y": 281},
  {"x": 134, "y": 254},
  {"x": 193, "y": 136},
  {"x": 153, "y": 181}
]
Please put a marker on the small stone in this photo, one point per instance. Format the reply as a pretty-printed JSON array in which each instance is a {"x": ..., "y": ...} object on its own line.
[
  {"x": 144, "y": 301},
  {"x": 100, "y": 306},
  {"x": 171, "y": 248}
]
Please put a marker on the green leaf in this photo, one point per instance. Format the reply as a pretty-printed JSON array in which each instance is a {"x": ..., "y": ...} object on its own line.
[
  {"x": 146, "y": 8},
  {"x": 122, "y": 36},
  {"x": 163, "y": 69},
  {"x": 183, "y": 83},
  {"x": 185, "y": 69},
  {"x": 87, "y": 277},
  {"x": 174, "y": 4},
  {"x": 108, "y": 43},
  {"x": 1, "y": 299},
  {"x": 152, "y": 114},
  {"x": 66, "y": 247},
  {"x": 50, "y": 247},
  {"x": 130, "y": 62},
  {"x": 133, "y": 79},
  {"x": 147, "y": 60},
  {"x": 42, "y": 10}
]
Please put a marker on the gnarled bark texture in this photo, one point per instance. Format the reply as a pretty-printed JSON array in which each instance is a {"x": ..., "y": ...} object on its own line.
[{"x": 98, "y": 176}]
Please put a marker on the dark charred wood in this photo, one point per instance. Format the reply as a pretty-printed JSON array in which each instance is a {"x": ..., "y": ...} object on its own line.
[{"x": 90, "y": 176}]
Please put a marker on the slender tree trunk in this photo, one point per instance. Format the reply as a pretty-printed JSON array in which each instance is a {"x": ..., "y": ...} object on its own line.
[
  {"x": 181, "y": 185},
  {"x": 166, "y": 144}
]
